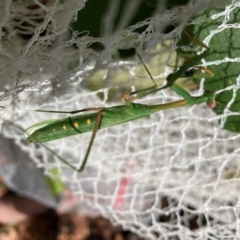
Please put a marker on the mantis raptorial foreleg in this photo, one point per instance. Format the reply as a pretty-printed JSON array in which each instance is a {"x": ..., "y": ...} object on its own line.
[{"x": 188, "y": 69}]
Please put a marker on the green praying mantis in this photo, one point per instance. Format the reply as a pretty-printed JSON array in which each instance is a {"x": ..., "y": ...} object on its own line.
[{"x": 106, "y": 117}]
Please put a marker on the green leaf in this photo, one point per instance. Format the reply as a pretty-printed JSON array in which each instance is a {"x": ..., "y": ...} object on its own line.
[
  {"x": 55, "y": 183},
  {"x": 223, "y": 44}
]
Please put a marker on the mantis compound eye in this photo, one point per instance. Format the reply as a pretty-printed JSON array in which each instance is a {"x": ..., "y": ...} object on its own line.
[{"x": 189, "y": 73}]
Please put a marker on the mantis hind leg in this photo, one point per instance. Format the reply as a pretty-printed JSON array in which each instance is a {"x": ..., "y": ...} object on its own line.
[{"x": 96, "y": 127}]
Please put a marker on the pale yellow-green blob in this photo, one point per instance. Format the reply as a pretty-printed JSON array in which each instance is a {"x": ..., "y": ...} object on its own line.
[
  {"x": 64, "y": 127},
  {"x": 76, "y": 124},
  {"x": 120, "y": 80},
  {"x": 54, "y": 130}
]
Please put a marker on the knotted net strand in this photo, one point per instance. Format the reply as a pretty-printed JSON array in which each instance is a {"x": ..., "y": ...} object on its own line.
[{"x": 173, "y": 175}]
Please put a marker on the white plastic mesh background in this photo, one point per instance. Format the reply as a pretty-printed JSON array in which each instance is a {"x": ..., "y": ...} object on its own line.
[{"x": 174, "y": 175}]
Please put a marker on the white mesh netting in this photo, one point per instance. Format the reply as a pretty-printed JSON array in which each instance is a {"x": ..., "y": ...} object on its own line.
[{"x": 174, "y": 175}]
